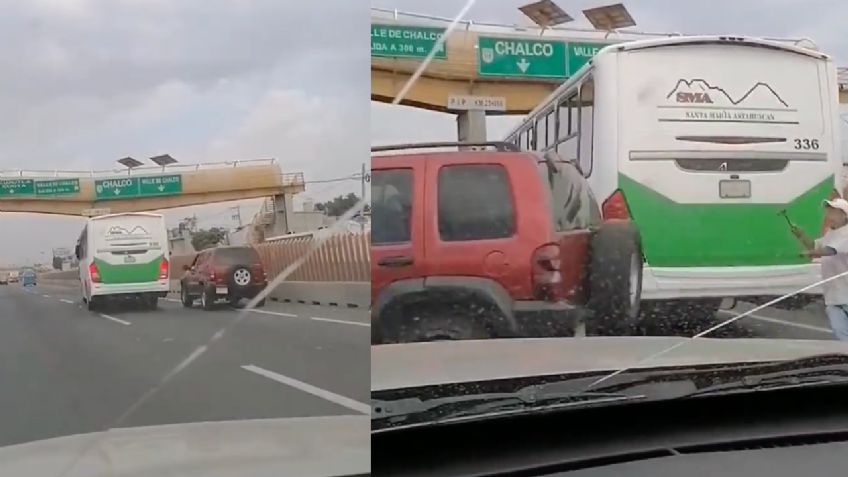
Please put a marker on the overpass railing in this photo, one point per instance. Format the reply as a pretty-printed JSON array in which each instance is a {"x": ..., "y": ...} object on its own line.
[
  {"x": 569, "y": 31},
  {"x": 144, "y": 170}
]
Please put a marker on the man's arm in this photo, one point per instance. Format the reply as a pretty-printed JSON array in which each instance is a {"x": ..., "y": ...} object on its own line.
[
  {"x": 806, "y": 241},
  {"x": 819, "y": 252}
]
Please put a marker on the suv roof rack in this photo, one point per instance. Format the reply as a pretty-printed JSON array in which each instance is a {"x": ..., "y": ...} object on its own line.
[{"x": 501, "y": 146}]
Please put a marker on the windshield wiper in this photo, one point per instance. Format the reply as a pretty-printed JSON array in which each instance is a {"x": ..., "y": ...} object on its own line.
[
  {"x": 533, "y": 398},
  {"x": 645, "y": 384}
]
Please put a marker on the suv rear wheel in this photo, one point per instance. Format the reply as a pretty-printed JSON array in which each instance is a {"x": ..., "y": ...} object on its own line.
[
  {"x": 186, "y": 299},
  {"x": 207, "y": 297},
  {"x": 615, "y": 280}
]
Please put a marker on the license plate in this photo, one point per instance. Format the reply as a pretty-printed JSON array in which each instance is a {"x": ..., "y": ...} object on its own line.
[
  {"x": 221, "y": 290},
  {"x": 734, "y": 189},
  {"x": 129, "y": 259}
]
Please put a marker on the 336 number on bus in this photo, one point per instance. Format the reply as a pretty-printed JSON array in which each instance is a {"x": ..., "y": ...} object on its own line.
[{"x": 806, "y": 143}]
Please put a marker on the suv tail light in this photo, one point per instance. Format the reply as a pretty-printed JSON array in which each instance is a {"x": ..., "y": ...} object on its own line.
[
  {"x": 93, "y": 273},
  {"x": 546, "y": 273},
  {"x": 615, "y": 207},
  {"x": 163, "y": 269},
  {"x": 258, "y": 272}
]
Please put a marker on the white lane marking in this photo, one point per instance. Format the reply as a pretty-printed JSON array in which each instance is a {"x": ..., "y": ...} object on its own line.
[
  {"x": 278, "y": 313},
  {"x": 117, "y": 320},
  {"x": 46, "y": 296},
  {"x": 343, "y": 322},
  {"x": 65, "y": 300},
  {"x": 316, "y": 391},
  {"x": 781, "y": 322},
  {"x": 172, "y": 299}
]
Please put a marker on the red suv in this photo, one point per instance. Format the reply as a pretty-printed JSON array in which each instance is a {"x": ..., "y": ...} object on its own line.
[
  {"x": 484, "y": 243},
  {"x": 230, "y": 273}
]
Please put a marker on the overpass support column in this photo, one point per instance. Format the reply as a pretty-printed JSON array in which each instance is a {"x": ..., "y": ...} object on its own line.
[
  {"x": 471, "y": 126},
  {"x": 283, "y": 207}
]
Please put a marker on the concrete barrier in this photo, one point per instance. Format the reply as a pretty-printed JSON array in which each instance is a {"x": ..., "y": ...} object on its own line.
[{"x": 341, "y": 294}]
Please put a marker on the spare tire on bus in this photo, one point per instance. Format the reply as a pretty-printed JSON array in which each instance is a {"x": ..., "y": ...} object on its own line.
[{"x": 615, "y": 279}]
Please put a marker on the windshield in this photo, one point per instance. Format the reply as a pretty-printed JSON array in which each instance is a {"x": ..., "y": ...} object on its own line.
[
  {"x": 185, "y": 223},
  {"x": 670, "y": 189}
]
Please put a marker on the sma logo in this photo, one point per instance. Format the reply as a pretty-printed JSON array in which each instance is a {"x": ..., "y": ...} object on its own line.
[{"x": 686, "y": 97}]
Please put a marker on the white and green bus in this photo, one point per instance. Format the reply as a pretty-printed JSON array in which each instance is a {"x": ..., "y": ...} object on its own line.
[
  {"x": 123, "y": 256},
  {"x": 708, "y": 144}
]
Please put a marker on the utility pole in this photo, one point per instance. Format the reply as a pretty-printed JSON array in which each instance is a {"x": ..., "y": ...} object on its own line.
[{"x": 237, "y": 215}]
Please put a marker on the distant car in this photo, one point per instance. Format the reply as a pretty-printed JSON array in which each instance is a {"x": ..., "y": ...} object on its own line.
[
  {"x": 28, "y": 278},
  {"x": 230, "y": 273},
  {"x": 4, "y": 278},
  {"x": 474, "y": 244},
  {"x": 13, "y": 277}
]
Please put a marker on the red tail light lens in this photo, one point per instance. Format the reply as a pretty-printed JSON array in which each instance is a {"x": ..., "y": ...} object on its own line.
[
  {"x": 93, "y": 273},
  {"x": 615, "y": 207},
  {"x": 546, "y": 273},
  {"x": 258, "y": 272},
  {"x": 163, "y": 269}
]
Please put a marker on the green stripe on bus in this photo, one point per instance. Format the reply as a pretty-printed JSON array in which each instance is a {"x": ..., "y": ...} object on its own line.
[
  {"x": 129, "y": 272},
  {"x": 721, "y": 235}
]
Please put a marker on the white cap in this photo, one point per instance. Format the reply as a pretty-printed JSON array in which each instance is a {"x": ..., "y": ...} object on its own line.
[{"x": 839, "y": 203}]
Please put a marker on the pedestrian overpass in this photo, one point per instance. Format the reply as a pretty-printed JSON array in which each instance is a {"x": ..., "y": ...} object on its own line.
[
  {"x": 143, "y": 188},
  {"x": 499, "y": 69}
]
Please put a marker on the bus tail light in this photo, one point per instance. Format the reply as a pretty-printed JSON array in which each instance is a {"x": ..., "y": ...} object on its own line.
[
  {"x": 163, "y": 269},
  {"x": 93, "y": 273},
  {"x": 547, "y": 278},
  {"x": 615, "y": 207}
]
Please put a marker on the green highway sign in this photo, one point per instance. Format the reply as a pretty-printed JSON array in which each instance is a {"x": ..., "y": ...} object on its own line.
[
  {"x": 160, "y": 185},
  {"x": 580, "y": 53},
  {"x": 520, "y": 57},
  {"x": 57, "y": 187},
  {"x": 116, "y": 188},
  {"x": 129, "y": 187},
  {"x": 395, "y": 41},
  {"x": 15, "y": 187}
]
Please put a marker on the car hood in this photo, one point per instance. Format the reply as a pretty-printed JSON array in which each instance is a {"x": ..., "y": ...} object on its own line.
[
  {"x": 313, "y": 446},
  {"x": 400, "y": 366}
]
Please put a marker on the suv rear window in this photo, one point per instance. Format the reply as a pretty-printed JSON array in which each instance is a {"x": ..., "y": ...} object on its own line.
[
  {"x": 236, "y": 256},
  {"x": 474, "y": 203},
  {"x": 391, "y": 205}
]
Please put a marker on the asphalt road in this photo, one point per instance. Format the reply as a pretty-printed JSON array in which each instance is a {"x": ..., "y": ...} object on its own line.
[{"x": 65, "y": 370}]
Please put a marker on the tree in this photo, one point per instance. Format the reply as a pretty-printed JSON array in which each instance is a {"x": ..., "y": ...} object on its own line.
[
  {"x": 338, "y": 206},
  {"x": 203, "y": 239}
]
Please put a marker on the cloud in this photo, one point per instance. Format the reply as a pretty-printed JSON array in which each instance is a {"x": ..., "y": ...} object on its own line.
[{"x": 88, "y": 81}]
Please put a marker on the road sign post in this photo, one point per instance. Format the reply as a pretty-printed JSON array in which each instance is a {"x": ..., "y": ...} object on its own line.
[
  {"x": 521, "y": 58},
  {"x": 396, "y": 41}
]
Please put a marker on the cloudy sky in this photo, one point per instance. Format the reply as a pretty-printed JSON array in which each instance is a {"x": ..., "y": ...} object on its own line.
[
  {"x": 822, "y": 20},
  {"x": 89, "y": 81}
]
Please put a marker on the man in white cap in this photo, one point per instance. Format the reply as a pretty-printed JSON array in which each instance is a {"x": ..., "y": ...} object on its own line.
[{"x": 832, "y": 248}]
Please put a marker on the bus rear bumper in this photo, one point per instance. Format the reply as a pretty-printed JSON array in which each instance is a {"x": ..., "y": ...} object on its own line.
[
  {"x": 663, "y": 283},
  {"x": 159, "y": 288}
]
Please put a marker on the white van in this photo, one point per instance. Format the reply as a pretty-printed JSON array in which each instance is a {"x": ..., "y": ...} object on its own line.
[{"x": 124, "y": 256}]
